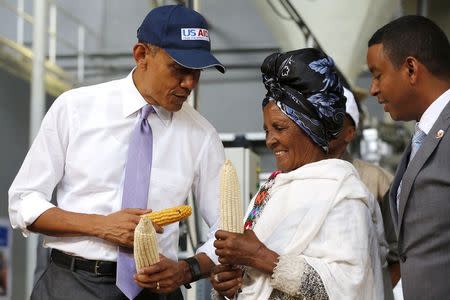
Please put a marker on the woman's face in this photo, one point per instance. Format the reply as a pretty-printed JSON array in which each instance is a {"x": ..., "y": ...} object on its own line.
[{"x": 290, "y": 145}]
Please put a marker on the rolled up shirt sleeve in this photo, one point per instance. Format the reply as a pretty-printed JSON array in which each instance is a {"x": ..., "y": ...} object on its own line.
[
  {"x": 206, "y": 190},
  {"x": 27, "y": 209}
]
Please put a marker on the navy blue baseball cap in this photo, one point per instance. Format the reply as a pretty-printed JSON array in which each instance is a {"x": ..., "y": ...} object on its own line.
[{"x": 182, "y": 33}]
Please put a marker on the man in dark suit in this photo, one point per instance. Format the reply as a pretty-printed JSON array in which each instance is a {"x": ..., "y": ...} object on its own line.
[{"x": 409, "y": 59}]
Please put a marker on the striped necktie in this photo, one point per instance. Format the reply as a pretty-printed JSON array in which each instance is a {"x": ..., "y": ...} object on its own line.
[{"x": 417, "y": 140}]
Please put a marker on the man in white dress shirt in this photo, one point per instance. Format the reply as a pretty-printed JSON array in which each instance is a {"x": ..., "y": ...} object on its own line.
[
  {"x": 409, "y": 59},
  {"x": 81, "y": 150}
]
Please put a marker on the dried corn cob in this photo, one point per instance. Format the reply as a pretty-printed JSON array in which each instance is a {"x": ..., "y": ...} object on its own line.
[
  {"x": 231, "y": 210},
  {"x": 146, "y": 251},
  {"x": 169, "y": 215}
]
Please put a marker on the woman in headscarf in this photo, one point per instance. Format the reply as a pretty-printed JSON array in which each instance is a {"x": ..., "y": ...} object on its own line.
[{"x": 313, "y": 231}]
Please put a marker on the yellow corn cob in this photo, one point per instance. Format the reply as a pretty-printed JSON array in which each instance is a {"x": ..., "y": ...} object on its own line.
[
  {"x": 231, "y": 210},
  {"x": 169, "y": 215},
  {"x": 146, "y": 251}
]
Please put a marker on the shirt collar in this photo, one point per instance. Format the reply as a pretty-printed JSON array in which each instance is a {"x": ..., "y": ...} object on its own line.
[
  {"x": 430, "y": 116},
  {"x": 133, "y": 101}
]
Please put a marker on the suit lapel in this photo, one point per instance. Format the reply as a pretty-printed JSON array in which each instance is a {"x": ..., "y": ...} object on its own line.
[
  {"x": 426, "y": 149},
  {"x": 395, "y": 183}
]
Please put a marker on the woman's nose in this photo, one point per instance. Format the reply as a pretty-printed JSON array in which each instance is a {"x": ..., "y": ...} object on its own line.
[{"x": 270, "y": 140}]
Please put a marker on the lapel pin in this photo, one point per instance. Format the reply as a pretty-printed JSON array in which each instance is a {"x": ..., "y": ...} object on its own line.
[{"x": 439, "y": 133}]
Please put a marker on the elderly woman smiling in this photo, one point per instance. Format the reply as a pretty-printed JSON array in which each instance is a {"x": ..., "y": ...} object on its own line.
[{"x": 313, "y": 231}]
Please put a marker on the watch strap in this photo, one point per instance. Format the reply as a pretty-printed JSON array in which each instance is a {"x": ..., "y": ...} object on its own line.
[{"x": 194, "y": 267}]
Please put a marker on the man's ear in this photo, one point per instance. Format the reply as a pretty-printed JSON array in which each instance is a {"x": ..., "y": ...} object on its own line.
[
  {"x": 139, "y": 53},
  {"x": 412, "y": 66}
]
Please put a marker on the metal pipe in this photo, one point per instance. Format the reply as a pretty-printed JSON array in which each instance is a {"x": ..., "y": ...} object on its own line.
[
  {"x": 422, "y": 7},
  {"x": 68, "y": 16},
  {"x": 37, "y": 110},
  {"x": 52, "y": 36},
  {"x": 20, "y": 21},
  {"x": 14, "y": 9},
  {"x": 80, "y": 62},
  {"x": 193, "y": 99},
  {"x": 126, "y": 55}
]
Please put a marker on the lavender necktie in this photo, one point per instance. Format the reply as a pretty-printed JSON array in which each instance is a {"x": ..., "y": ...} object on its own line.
[{"x": 135, "y": 194}]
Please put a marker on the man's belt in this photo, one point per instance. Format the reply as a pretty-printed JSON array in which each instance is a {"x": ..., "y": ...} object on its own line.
[{"x": 97, "y": 267}]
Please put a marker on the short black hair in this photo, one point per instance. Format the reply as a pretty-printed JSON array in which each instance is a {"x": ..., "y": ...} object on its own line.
[{"x": 418, "y": 37}]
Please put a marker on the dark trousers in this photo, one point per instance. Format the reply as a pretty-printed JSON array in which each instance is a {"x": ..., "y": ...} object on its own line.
[{"x": 61, "y": 283}]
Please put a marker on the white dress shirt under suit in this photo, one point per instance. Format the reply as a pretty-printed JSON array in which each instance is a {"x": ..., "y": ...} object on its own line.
[
  {"x": 81, "y": 148},
  {"x": 433, "y": 111}
]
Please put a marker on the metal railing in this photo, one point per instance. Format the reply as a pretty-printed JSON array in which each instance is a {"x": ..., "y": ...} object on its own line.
[{"x": 54, "y": 39}]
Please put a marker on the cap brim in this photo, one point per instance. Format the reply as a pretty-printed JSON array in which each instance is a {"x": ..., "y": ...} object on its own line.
[{"x": 195, "y": 59}]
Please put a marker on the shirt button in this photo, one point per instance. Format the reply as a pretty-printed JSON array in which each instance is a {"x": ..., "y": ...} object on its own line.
[{"x": 403, "y": 258}]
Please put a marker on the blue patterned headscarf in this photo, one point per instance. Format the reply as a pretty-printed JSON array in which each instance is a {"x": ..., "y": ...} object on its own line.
[{"x": 305, "y": 86}]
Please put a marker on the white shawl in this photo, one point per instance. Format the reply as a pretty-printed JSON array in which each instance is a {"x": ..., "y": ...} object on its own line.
[{"x": 323, "y": 213}]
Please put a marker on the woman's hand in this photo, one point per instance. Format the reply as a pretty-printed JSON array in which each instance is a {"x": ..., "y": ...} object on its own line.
[
  {"x": 244, "y": 249},
  {"x": 226, "y": 280},
  {"x": 236, "y": 248}
]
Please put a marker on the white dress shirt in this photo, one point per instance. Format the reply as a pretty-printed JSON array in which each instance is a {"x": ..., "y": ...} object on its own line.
[
  {"x": 81, "y": 148},
  {"x": 426, "y": 122},
  {"x": 433, "y": 111}
]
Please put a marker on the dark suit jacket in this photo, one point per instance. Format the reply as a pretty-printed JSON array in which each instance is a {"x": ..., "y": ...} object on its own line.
[{"x": 423, "y": 221}]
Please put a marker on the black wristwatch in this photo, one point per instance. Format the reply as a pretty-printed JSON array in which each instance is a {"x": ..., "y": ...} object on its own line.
[{"x": 194, "y": 268}]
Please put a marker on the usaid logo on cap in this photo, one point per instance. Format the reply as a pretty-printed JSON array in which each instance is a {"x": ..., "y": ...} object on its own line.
[{"x": 191, "y": 34}]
